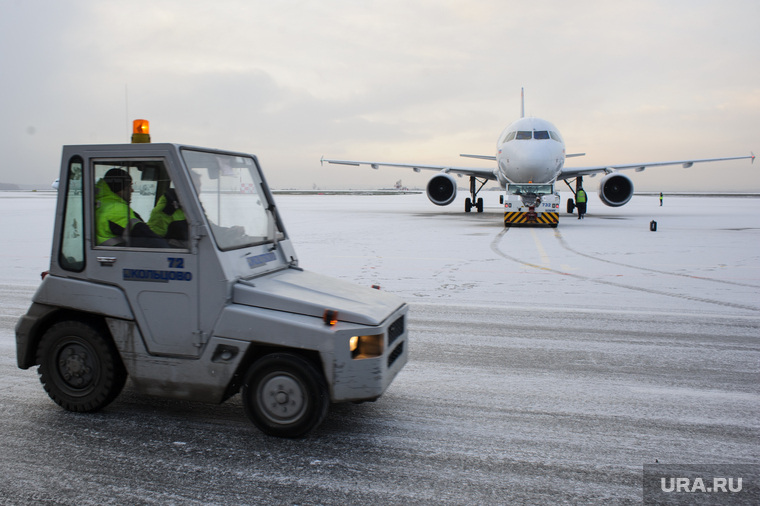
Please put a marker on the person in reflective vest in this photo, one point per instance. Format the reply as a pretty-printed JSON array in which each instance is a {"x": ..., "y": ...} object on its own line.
[
  {"x": 580, "y": 201},
  {"x": 168, "y": 220},
  {"x": 116, "y": 224}
]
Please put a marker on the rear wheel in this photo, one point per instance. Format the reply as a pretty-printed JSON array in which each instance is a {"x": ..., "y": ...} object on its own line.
[
  {"x": 80, "y": 368},
  {"x": 284, "y": 395}
]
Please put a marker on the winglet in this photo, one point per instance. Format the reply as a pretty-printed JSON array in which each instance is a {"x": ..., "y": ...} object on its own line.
[
  {"x": 753, "y": 156},
  {"x": 322, "y": 161}
]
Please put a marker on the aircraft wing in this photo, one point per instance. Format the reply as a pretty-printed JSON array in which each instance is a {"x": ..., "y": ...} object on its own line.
[
  {"x": 571, "y": 172},
  {"x": 449, "y": 169}
]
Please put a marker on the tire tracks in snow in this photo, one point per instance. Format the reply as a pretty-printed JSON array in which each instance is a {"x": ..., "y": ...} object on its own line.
[
  {"x": 495, "y": 243},
  {"x": 564, "y": 244}
]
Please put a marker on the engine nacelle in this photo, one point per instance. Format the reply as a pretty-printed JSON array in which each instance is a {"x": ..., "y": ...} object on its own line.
[
  {"x": 442, "y": 189},
  {"x": 615, "y": 189}
]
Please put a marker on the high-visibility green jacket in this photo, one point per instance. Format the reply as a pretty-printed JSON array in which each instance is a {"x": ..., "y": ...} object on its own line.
[
  {"x": 159, "y": 221},
  {"x": 113, "y": 216},
  {"x": 580, "y": 197}
]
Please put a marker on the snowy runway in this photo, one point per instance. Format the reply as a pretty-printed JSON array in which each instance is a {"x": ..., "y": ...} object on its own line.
[{"x": 546, "y": 366}]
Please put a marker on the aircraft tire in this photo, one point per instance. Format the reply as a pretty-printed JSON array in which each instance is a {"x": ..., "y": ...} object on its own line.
[
  {"x": 570, "y": 206},
  {"x": 467, "y": 205},
  {"x": 479, "y": 205}
]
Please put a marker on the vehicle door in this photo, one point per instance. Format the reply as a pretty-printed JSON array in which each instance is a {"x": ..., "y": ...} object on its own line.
[{"x": 140, "y": 243}]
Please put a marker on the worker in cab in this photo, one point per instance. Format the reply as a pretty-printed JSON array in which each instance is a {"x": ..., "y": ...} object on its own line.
[
  {"x": 168, "y": 220},
  {"x": 116, "y": 224}
]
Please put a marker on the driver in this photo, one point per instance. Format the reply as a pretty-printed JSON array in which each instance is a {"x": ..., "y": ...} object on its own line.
[{"x": 116, "y": 224}]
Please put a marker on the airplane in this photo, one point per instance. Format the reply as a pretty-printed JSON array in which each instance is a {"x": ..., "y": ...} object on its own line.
[{"x": 530, "y": 151}]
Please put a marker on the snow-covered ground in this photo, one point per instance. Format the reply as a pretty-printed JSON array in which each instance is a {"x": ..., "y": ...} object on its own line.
[
  {"x": 704, "y": 256},
  {"x": 546, "y": 365}
]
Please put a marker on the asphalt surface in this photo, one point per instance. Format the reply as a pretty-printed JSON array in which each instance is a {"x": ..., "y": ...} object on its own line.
[
  {"x": 565, "y": 408},
  {"x": 546, "y": 367}
]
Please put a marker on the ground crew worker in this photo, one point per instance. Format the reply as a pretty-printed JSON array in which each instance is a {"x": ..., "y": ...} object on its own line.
[
  {"x": 168, "y": 220},
  {"x": 660, "y": 199},
  {"x": 580, "y": 202},
  {"x": 116, "y": 224}
]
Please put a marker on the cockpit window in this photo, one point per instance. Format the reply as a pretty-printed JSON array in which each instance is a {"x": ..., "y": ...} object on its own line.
[{"x": 526, "y": 135}]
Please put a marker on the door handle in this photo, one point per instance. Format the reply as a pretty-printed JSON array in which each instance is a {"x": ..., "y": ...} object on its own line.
[{"x": 106, "y": 260}]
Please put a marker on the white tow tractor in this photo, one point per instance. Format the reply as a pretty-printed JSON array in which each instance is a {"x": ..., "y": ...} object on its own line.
[
  {"x": 531, "y": 204},
  {"x": 170, "y": 265}
]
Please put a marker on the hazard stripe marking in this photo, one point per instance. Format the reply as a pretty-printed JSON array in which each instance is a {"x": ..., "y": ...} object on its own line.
[{"x": 523, "y": 218}]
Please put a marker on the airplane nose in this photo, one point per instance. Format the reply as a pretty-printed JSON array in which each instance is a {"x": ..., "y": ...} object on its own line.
[{"x": 532, "y": 165}]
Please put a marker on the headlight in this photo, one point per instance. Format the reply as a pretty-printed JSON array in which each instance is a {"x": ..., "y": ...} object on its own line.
[{"x": 366, "y": 346}]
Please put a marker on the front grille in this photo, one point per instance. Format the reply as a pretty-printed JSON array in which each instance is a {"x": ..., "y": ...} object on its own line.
[
  {"x": 395, "y": 354},
  {"x": 395, "y": 330}
]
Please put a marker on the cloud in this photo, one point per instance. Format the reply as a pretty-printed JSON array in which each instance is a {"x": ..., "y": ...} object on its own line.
[{"x": 393, "y": 80}]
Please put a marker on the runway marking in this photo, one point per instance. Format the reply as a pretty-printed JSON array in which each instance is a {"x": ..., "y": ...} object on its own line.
[
  {"x": 540, "y": 247},
  {"x": 500, "y": 236}
]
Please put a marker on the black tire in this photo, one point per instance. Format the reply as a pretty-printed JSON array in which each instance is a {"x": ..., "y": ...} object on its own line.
[
  {"x": 479, "y": 205},
  {"x": 570, "y": 206},
  {"x": 284, "y": 395},
  {"x": 80, "y": 367},
  {"x": 467, "y": 205}
]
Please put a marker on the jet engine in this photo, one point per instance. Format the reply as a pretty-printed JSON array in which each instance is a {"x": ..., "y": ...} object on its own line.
[
  {"x": 615, "y": 189},
  {"x": 442, "y": 189}
]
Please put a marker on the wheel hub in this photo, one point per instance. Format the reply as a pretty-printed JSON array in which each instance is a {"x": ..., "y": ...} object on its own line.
[
  {"x": 75, "y": 366},
  {"x": 282, "y": 398}
]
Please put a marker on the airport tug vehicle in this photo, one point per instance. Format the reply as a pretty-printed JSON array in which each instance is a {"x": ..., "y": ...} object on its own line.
[
  {"x": 531, "y": 204},
  {"x": 207, "y": 302}
]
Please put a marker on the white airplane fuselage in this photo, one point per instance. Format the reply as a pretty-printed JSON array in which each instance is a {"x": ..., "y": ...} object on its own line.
[{"x": 530, "y": 150}]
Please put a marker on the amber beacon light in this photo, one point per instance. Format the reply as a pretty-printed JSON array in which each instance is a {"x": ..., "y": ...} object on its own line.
[{"x": 140, "y": 131}]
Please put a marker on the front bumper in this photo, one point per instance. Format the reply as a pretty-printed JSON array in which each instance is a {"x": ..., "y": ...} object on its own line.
[{"x": 367, "y": 378}]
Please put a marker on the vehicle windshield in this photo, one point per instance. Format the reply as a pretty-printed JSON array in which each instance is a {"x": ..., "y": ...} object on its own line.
[
  {"x": 231, "y": 193},
  {"x": 523, "y": 189}
]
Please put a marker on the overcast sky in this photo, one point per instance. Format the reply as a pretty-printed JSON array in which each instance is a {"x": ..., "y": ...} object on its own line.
[{"x": 394, "y": 80}]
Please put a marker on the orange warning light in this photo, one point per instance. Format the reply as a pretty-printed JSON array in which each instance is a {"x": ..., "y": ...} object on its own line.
[
  {"x": 140, "y": 131},
  {"x": 330, "y": 317}
]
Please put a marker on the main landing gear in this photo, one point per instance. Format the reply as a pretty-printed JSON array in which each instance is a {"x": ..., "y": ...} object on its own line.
[
  {"x": 570, "y": 202},
  {"x": 473, "y": 200}
]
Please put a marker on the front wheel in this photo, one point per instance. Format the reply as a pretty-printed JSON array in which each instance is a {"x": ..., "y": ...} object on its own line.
[
  {"x": 80, "y": 367},
  {"x": 284, "y": 395}
]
